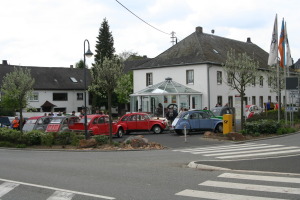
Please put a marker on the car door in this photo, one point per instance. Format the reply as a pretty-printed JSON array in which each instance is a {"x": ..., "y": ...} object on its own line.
[
  {"x": 205, "y": 121},
  {"x": 102, "y": 125},
  {"x": 131, "y": 122},
  {"x": 194, "y": 120},
  {"x": 142, "y": 122}
]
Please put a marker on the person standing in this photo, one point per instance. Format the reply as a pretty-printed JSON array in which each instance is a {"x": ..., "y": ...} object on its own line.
[{"x": 16, "y": 123}]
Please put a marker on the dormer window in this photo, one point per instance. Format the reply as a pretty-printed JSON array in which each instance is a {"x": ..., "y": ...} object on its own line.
[{"x": 74, "y": 80}]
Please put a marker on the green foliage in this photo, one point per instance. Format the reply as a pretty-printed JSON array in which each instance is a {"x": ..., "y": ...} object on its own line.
[
  {"x": 125, "y": 87},
  {"x": 80, "y": 64},
  {"x": 285, "y": 130},
  {"x": 10, "y": 135},
  {"x": 32, "y": 137},
  {"x": 76, "y": 138},
  {"x": 47, "y": 139},
  {"x": 101, "y": 139},
  {"x": 104, "y": 44},
  {"x": 261, "y": 127},
  {"x": 6, "y": 144},
  {"x": 63, "y": 138}
]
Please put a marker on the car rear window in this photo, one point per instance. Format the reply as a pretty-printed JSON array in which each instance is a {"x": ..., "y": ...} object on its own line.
[{"x": 31, "y": 121}]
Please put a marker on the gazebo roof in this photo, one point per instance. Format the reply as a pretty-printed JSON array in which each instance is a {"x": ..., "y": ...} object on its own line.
[{"x": 167, "y": 87}]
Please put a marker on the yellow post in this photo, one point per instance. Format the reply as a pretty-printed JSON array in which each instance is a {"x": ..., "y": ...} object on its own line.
[{"x": 227, "y": 123}]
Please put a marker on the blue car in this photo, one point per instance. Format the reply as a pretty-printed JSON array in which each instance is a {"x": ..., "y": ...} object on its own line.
[{"x": 196, "y": 120}]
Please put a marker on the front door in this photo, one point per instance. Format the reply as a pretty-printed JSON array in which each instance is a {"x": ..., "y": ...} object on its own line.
[
  {"x": 131, "y": 122},
  {"x": 142, "y": 122}
]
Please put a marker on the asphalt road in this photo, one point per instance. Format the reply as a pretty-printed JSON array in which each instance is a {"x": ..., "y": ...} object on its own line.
[{"x": 147, "y": 175}]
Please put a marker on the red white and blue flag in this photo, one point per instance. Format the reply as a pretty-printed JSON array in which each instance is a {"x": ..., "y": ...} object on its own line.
[{"x": 281, "y": 46}]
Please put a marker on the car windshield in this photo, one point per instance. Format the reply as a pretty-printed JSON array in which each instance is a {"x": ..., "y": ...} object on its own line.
[
  {"x": 31, "y": 121},
  {"x": 216, "y": 111},
  {"x": 56, "y": 120},
  {"x": 210, "y": 114}
]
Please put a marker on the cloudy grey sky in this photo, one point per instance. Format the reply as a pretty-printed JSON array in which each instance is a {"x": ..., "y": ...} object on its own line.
[{"x": 51, "y": 33}]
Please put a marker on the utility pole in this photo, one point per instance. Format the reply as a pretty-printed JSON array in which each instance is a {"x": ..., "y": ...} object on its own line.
[{"x": 174, "y": 38}]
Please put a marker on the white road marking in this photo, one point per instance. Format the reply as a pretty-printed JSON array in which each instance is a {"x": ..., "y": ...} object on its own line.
[
  {"x": 260, "y": 154},
  {"x": 262, "y": 188},
  {"x": 59, "y": 195},
  {"x": 6, "y": 187},
  {"x": 260, "y": 178},
  {"x": 239, "y": 149},
  {"x": 220, "y": 196},
  {"x": 58, "y": 189},
  {"x": 252, "y": 151}
]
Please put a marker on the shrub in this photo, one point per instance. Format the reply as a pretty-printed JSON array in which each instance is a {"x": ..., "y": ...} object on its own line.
[
  {"x": 47, "y": 139},
  {"x": 62, "y": 138},
  {"x": 262, "y": 127},
  {"x": 10, "y": 135},
  {"x": 6, "y": 144},
  {"x": 76, "y": 138},
  {"x": 32, "y": 137},
  {"x": 101, "y": 139}
]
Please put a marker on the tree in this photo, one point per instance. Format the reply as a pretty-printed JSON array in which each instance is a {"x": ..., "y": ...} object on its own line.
[
  {"x": 106, "y": 76},
  {"x": 104, "y": 44},
  {"x": 124, "y": 87},
  {"x": 16, "y": 89},
  {"x": 241, "y": 71},
  {"x": 80, "y": 64}
]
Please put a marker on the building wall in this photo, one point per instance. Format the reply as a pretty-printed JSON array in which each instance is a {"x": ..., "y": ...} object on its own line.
[
  {"x": 47, "y": 95},
  {"x": 178, "y": 74}
]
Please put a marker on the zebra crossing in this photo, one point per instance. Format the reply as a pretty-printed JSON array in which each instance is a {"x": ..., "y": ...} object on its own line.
[
  {"x": 245, "y": 187},
  {"x": 9, "y": 187},
  {"x": 237, "y": 151}
]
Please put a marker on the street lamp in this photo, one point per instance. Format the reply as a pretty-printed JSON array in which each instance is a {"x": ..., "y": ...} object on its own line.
[{"x": 88, "y": 54}]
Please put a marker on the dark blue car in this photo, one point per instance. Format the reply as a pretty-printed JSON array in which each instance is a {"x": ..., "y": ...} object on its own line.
[{"x": 196, "y": 121}]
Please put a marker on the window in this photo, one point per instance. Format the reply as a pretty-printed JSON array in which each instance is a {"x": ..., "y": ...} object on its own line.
[
  {"x": 189, "y": 76},
  {"x": 60, "y": 96},
  {"x": 261, "y": 81},
  {"x": 149, "y": 79},
  {"x": 269, "y": 99},
  {"x": 261, "y": 101},
  {"x": 34, "y": 96},
  {"x": 230, "y": 101},
  {"x": 253, "y": 81},
  {"x": 79, "y": 96},
  {"x": 253, "y": 100},
  {"x": 229, "y": 78},
  {"x": 269, "y": 81},
  {"x": 219, "y": 100},
  {"x": 219, "y": 77},
  {"x": 74, "y": 80}
]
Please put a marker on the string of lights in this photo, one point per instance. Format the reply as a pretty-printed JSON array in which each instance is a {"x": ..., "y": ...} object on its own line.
[{"x": 142, "y": 19}]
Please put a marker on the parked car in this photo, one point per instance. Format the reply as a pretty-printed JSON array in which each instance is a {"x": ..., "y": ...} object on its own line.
[
  {"x": 196, "y": 120},
  {"x": 97, "y": 125},
  {"x": 252, "y": 110},
  {"x": 62, "y": 123},
  {"x": 37, "y": 123},
  {"x": 5, "y": 121},
  {"x": 220, "y": 111},
  {"x": 140, "y": 122}
]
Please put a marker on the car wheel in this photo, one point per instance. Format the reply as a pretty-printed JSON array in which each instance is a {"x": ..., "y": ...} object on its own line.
[
  {"x": 157, "y": 129},
  {"x": 120, "y": 133},
  {"x": 179, "y": 131},
  {"x": 219, "y": 128}
]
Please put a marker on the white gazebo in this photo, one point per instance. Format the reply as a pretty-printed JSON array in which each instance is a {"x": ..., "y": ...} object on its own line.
[{"x": 158, "y": 98}]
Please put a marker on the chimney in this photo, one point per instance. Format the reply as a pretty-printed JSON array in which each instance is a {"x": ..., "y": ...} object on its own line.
[
  {"x": 71, "y": 66},
  {"x": 249, "y": 40},
  {"x": 199, "y": 29},
  {"x": 4, "y": 62}
]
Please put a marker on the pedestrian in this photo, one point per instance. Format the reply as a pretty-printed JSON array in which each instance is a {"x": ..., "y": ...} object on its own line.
[
  {"x": 16, "y": 123},
  {"x": 73, "y": 113},
  {"x": 205, "y": 108}
]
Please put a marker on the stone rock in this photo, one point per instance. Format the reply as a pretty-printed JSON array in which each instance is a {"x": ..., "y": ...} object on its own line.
[
  {"x": 207, "y": 134},
  {"x": 136, "y": 141}
]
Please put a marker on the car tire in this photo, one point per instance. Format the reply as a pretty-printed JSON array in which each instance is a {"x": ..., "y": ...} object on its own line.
[
  {"x": 219, "y": 128},
  {"x": 120, "y": 133},
  {"x": 157, "y": 129}
]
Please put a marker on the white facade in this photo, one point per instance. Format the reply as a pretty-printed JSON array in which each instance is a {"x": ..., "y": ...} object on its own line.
[
  {"x": 74, "y": 101},
  {"x": 205, "y": 81}
]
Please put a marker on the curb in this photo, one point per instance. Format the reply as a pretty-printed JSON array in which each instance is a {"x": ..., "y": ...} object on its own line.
[{"x": 194, "y": 165}]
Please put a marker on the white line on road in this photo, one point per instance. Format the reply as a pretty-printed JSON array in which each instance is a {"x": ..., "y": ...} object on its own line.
[
  {"x": 259, "y": 154},
  {"x": 6, "y": 188},
  {"x": 261, "y": 188},
  {"x": 59, "y": 195},
  {"x": 238, "y": 149},
  {"x": 58, "y": 189},
  {"x": 220, "y": 196},
  {"x": 260, "y": 178},
  {"x": 252, "y": 151}
]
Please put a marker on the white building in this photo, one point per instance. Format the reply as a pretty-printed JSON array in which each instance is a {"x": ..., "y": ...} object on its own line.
[{"x": 196, "y": 63}]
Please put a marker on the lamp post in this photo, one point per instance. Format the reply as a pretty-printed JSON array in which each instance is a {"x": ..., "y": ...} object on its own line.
[{"x": 88, "y": 54}]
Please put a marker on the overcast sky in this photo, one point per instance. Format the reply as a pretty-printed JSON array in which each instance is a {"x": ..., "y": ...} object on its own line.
[{"x": 51, "y": 33}]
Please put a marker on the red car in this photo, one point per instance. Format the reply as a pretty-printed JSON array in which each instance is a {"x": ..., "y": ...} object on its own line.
[
  {"x": 97, "y": 125},
  {"x": 140, "y": 122},
  {"x": 62, "y": 123}
]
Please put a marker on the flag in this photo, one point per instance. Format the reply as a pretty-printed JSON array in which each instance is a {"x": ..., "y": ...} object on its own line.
[
  {"x": 289, "y": 60},
  {"x": 281, "y": 46},
  {"x": 274, "y": 45}
]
